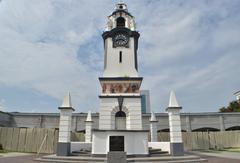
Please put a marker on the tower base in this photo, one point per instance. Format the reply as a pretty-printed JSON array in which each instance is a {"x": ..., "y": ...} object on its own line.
[
  {"x": 133, "y": 142},
  {"x": 63, "y": 149},
  {"x": 176, "y": 149}
]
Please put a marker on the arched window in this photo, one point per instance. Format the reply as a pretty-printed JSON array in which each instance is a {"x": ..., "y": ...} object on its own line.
[
  {"x": 120, "y": 22},
  {"x": 120, "y": 120}
]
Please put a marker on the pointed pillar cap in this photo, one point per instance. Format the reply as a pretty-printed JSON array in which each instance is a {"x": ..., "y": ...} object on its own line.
[
  {"x": 153, "y": 117},
  {"x": 89, "y": 117},
  {"x": 173, "y": 104},
  {"x": 67, "y": 103}
]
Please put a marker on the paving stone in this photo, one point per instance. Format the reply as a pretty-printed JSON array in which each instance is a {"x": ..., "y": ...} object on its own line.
[{"x": 116, "y": 157}]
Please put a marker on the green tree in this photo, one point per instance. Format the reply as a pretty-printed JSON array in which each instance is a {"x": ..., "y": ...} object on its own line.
[{"x": 233, "y": 106}]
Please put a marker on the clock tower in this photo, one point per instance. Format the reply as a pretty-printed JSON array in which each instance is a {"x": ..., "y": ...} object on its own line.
[
  {"x": 120, "y": 116},
  {"x": 120, "y": 97},
  {"x": 120, "y": 44}
]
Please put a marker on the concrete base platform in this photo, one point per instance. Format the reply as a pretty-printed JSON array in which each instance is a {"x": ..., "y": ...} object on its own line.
[
  {"x": 133, "y": 142},
  {"x": 63, "y": 149},
  {"x": 87, "y": 159}
]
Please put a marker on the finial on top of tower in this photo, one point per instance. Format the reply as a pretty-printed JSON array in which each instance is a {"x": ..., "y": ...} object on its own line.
[
  {"x": 173, "y": 100},
  {"x": 89, "y": 117},
  {"x": 67, "y": 101},
  {"x": 121, "y": 6},
  {"x": 153, "y": 117}
]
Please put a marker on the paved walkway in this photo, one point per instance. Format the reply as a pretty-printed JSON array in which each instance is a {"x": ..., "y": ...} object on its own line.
[
  {"x": 14, "y": 157},
  {"x": 222, "y": 154},
  {"x": 14, "y": 154},
  {"x": 221, "y": 157}
]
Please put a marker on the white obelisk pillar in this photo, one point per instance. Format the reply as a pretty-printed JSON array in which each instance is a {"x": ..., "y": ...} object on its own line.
[
  {"x": 153, "y": 128},
  {"x": 64, "y": 140},
  {"x": 88, "y": 128},
  {"x": 176, "y": 143}
]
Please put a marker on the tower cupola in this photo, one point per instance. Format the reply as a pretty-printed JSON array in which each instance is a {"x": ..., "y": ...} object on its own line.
[{"x": 121, "y": 18}]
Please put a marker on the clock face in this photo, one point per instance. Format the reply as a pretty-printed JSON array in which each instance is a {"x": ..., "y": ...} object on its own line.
[{"x": 120, "y": 39}]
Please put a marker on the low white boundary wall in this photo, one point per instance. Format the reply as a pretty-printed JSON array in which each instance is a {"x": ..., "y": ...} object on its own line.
[
  {"x": 164, "y": 146},
  {"x": 77, "y": 146}
]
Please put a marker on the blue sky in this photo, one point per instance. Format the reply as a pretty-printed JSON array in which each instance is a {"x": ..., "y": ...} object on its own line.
[{"x": 50, "y": 47}]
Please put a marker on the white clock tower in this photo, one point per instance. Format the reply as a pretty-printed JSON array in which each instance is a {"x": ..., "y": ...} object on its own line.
[
  {"x": 120, "y": 97},
  {"x": 120, "y": 119},
  {"x": 120, "y": 44}
]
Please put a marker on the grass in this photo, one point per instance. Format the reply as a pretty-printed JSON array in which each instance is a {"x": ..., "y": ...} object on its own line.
[
  {"x": 232, "y": 149},
  {"x": 3, "y": 151},
  {"x": 212, "y": 151}
]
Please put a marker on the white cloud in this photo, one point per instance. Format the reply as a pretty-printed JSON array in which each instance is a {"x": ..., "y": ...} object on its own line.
[
  {"x": 2, "y": 105},
  {"x": 39, "y": 49},
  {"x": 52, "y": 47},
  {"x": 194, "y": 49}
]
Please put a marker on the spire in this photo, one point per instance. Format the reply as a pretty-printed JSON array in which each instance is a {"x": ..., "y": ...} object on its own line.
[
  {"x": 173, "y": 101},
  {"x": 89, "y": 117},
  {"x": 67, "y": 101},
  {"x": 153, "y": 117}
]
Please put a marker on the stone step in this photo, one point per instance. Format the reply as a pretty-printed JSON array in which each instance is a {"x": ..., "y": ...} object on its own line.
[
  {"x": 153, "y": 150},
  {"x": 189, "y": 161},
  {"x": 81, "y": 154},
  {"x": 59, "y": 161},
  {"x": 178, "y": 161},
  {"x": 81, "y": 151},
  {"x": 164, "y": 158},
  {"x": 149, "y": 161},
  {"x": 158, "y": 152},
  {"x": 74, "y": 158},
  {"x": 79, "y": 159}
]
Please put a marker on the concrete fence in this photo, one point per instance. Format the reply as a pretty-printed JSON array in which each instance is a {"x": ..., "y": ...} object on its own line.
[{"x": 45, "y": 140}]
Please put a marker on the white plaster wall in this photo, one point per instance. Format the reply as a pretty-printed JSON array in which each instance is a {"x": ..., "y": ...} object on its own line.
[
  {"x": 164, "y": 146},
  {"x": 175, "y": 125},
  {"x": 65, "y": 125},
  {"x": 135, "y": 113},
  {"x": 153, "y": 130},
  {"x": 134, "y": 117},
  {"x": 134, "y": 142},
  {"x": 105, "y": 116},
  {"x": 126, "y": 67},
  {"x": 88, "y": 135}
]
